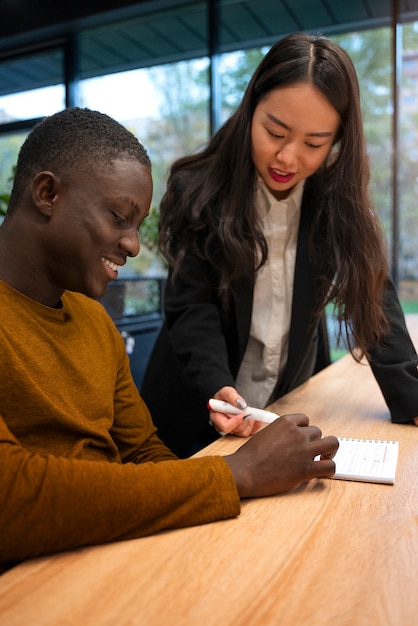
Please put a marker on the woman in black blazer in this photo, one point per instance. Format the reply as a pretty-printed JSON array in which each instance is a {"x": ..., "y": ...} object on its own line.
[{"x": 261, "y": 230}]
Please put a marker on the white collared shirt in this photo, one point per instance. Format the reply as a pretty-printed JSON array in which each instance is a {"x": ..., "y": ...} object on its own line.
[{"x": 267, "y": 349}]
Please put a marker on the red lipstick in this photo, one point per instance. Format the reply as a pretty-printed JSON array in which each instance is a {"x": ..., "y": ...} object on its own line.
[{"x": 280, "y": 178}]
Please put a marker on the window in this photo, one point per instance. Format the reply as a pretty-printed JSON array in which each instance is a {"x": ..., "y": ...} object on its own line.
[
  {"x": 408, "y": 170},
  {"x": 32, "y": 86},
  {"x": 151, "y": 73}
]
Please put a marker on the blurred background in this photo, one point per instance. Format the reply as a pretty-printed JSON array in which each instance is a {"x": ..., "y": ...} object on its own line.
[{"x": 173, "y": 71}]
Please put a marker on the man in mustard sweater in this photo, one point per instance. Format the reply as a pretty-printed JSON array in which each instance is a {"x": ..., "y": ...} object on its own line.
[{"x": 80, "y": 459}]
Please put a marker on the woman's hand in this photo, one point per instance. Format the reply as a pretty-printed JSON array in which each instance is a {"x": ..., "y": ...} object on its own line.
[{"x": 233, "y": 424}]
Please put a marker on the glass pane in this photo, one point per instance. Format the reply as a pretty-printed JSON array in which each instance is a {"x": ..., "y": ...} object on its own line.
[
  {"x": 151, "y": 73},
  {"x": 9, "y": 148},
  {"x": 236, "y": 69},
  {"x": 133, "y": 296},
  {"x": 408, "y": 170},
  {"x": 371, "y": 53},
  {"x": 32, "y": 86}
]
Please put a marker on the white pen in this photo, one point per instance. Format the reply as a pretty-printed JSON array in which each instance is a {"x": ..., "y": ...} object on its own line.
[{"x": 258, "y": 414}]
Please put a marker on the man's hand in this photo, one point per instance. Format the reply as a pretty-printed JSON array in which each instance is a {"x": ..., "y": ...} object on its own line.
[{"x": 281, "y": 456}]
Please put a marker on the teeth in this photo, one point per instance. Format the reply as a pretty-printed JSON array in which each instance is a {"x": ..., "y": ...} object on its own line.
[
  {"x": 280, "y": 173},
  {"x": 112, "y": 266}
]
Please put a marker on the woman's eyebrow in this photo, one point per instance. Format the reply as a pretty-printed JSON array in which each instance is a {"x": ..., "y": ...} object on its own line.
[{"x": 276, "y": 120}]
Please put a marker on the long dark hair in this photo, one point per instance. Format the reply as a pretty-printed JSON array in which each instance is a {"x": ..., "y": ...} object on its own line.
[{"x": 208, "y": 207}]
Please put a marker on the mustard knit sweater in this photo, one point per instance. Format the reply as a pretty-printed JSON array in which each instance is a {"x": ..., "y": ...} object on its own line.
[{"x": 80, "y": 461}]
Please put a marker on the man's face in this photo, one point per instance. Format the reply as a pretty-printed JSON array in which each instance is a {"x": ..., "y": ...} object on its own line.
[{"x": 94, "y": 226}]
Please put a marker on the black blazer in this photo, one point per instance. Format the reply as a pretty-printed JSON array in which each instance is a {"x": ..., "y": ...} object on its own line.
[{"x": 202, "y": 343}]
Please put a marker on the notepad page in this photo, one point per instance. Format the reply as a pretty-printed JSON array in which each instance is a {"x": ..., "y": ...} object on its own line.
[{"x": 369, "y": 460}]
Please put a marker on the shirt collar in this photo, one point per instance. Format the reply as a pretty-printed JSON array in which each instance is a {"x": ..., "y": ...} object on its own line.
[{"x": 265, "y": 200}]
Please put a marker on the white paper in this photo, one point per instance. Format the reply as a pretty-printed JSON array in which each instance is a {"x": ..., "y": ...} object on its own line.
[{"x": 369, "y": 460}]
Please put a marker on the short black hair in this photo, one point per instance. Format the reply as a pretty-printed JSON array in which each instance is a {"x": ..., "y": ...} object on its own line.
[{"x": 71, "y": 140}]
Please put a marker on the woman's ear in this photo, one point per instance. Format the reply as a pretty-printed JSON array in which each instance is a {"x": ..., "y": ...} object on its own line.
[{"x": 44, "y": 192}]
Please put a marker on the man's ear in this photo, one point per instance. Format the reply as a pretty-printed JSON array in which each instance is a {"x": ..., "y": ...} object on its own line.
[{"x": 44, "y": 192}]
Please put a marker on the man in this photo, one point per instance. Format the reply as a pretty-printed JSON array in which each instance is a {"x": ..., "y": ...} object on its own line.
[{"x": 80, "y": 460}]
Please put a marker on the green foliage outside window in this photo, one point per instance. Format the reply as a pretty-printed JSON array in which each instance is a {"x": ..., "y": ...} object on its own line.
[
  {"x": 4, "y": 199},
  {"x": 5, "y": 195}
]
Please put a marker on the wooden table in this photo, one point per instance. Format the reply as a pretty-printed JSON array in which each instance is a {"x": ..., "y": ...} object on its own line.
[{"x": 328, "y": 553}]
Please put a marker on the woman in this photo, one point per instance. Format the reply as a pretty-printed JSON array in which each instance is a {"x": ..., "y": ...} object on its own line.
[{"x": 261, "y": 230}]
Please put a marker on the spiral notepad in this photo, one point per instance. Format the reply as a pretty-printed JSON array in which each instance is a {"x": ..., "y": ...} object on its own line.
[{"x": 369, "y": 460}]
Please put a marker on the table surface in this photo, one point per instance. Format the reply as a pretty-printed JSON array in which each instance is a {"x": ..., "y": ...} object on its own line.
[{"x": 328, "y": 552}]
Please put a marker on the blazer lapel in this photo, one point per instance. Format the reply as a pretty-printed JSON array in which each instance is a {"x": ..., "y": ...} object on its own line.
[{"x": 304, "y": 294}]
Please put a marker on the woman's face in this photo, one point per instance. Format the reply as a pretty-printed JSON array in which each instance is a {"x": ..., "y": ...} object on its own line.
[{"x": 293, "y": 130}]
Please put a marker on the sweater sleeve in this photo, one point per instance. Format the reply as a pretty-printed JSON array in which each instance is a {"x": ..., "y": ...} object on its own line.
[{"x": 50, "y": 504}]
